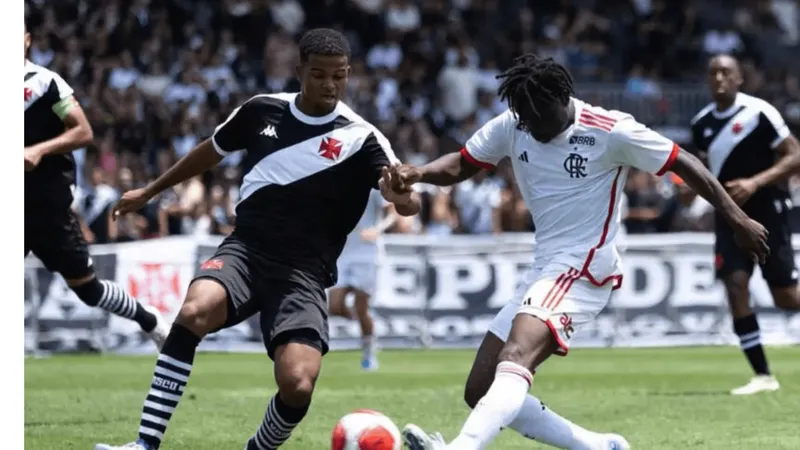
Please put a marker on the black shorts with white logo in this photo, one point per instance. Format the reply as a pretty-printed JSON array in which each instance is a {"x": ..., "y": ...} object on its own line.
[
  {"x": 779, "y": 270},
  {"x": 292, "y": 304},
  {"x": 54, "y": 235}
]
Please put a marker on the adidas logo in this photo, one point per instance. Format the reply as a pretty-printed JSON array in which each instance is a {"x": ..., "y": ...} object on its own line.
[
  {"x": 523, "y": 157},
  {"x": 269, "y": 132}
]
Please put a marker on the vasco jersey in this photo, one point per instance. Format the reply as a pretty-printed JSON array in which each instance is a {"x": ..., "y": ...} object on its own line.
[
  {"x": 573, "y": 184},
  {"x": 48, "y": 99},
  {"x": 307, "y": 179},
  {"x": 740, "y": 142}
]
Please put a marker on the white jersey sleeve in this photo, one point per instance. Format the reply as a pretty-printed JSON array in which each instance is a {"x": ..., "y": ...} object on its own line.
[
  {"x": 631, "y": 143},
  {"x": 491, "y": 142},
  {"x": 777, "y": 126}
]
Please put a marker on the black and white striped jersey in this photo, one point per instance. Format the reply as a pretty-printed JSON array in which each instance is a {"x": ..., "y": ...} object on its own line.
[
  {"x": 740, "y": 142},
  {"x": 46, "y": 98},
  {"x": 306, "y": 180}
]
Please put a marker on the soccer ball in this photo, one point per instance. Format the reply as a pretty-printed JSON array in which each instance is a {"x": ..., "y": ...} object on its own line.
[{"x": 365, "y": 429}]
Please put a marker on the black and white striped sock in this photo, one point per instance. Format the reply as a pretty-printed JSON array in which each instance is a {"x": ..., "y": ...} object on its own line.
[
  {"x": 117, "y": 301},
  {"x": 279, "y": 421},
  {"x": 170, "y": 376},
  {"x": 750, "y": 341}
]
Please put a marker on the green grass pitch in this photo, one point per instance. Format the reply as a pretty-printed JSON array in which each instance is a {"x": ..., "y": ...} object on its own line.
[{"x": 660, "y": 399}]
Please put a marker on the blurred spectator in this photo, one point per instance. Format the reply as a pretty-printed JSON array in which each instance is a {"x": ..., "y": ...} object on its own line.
[
  {"x": 478, "y": 200},
  {"x": 93, "y": 203}
]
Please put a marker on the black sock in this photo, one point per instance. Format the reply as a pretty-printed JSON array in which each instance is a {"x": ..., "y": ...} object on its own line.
[
  {"x": 113, "y": 298},
  {"x": 750, "y": 341},
  {"x": 279, "y": 421},
  {"x": 171, "y": 374}
]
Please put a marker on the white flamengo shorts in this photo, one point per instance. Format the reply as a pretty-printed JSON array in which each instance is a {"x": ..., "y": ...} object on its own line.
[
  {"x": 359, "y": 275},
  {"x": 561, "y": 296}
]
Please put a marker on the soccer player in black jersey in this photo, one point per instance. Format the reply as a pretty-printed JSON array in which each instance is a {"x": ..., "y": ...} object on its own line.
[
  {"x": 311, "y": 163},
  {"x": 751, "y": 151},
  {"x": 55, "y": 125}
]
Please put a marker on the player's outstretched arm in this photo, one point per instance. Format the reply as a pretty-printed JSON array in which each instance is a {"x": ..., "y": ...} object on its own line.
[
  {"x": 750, "y": 235},
  {"x": 197, "y": 161},
  {"x": 448, "y": 170}
]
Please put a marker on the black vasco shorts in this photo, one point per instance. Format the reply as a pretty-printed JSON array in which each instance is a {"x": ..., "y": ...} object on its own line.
[
  {"x": 293, "y": 305},
  {"x": 779, "y": 270},
  {"x": 55, "y": 237}
]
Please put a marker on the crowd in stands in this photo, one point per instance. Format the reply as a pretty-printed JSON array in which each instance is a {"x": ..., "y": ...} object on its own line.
[{"x": 156, "y": 76}]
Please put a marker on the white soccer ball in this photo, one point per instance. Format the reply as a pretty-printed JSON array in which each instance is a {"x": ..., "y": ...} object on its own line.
[{"x": 365, "y": 429}]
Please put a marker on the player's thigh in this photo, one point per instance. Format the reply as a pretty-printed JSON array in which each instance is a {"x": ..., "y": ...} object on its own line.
[
  {"x": 222, "y": 294},
  {"x": 57, "y": 240},
  {"x": 336, "y": 301},
  {"x": 728, "y": 256},
  {"x": 294, "y": 310},
  {"x": 557, "y": 304},
  {"x": 481, "y": 375}
]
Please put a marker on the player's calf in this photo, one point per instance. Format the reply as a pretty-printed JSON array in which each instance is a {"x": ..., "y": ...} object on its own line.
[
  {"x": 297, "y": 367},
  {"x": 369, "y": 358},
  {"x": 204, "y": 310},
  {"x": 787, "y": 298},
  {"x": 111, "y": 297}
]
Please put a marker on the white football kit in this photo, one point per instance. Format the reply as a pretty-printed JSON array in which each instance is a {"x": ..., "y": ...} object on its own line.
[
  {"x": 573, "y": 187},
  {"x": 358, "y": 263}
]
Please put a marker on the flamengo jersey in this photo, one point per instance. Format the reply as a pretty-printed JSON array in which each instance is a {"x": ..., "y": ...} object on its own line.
[
  {"x": 573, "y": 184},
  {"x": 357, "y": 249},
  {"x": 306, "y": 179},
  {"x": 740, "y": 142},
  {"x": 45, "y": 94}
]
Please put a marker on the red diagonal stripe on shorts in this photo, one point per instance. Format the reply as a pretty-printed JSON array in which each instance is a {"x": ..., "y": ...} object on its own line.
[
  {"x": 566, "y": 283},
  {"x": 563, "y": 293},
  {"x": 556, "y": 286}
]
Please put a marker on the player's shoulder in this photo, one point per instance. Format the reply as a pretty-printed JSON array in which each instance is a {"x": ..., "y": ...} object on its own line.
[
  {"x": 702, "y": 114},
  {"x": 759, "y": 104},
  {"x": 600, "y": 119},
  {"x": 277, "y": 100},
  {"x": 356, "y": 122},
  {"x": 36, "y": 74}
]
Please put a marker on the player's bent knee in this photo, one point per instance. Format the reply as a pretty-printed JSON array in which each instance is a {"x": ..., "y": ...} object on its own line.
[
  {"x": 787, "y": 298},
  {"x": 297, "y": 386},
  {"x": 205, "y": 308}
]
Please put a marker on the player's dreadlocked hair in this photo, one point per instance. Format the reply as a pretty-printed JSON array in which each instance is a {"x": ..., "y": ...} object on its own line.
[
  {"x": 532, "y": 81},
  {"x": 324, "y": 42}
]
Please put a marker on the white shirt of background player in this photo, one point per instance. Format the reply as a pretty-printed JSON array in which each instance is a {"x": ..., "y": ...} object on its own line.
[{"x": 573, "y": 184}]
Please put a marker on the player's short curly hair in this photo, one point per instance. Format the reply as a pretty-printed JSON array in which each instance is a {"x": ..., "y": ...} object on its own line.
[
  {"x": 324, "y": 42},
  {"x": 533, "y": 82}
]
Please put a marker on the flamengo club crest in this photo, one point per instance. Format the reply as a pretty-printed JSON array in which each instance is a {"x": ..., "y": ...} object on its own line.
[{"x": 575, "y": 165}]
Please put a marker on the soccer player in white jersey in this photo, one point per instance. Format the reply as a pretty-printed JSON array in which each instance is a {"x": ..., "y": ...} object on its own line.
[
  {"x": 357, "y": 267},
  {"x": 571, "y": 160}
]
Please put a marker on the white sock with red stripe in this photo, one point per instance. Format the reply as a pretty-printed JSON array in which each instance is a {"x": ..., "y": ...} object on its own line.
[
  {"x": 535, "y": 421},
  {"x": 498, "y": 408}
]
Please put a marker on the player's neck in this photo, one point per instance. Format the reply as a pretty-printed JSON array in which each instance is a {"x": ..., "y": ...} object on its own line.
[
  {"x": 725, "y": 103},
  {"x": 310, "y": 109}
]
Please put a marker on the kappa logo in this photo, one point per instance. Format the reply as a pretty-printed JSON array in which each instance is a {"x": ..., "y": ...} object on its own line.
[
  {"x": 582, "y": 140},
  {"x": 269, "y": 131},
  {"x": 28, "y": 93}
]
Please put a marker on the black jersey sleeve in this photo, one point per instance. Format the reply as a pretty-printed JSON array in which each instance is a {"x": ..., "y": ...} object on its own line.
[
  {"x": 235, "y": 133},
  {"x": 378, "y": 154}
]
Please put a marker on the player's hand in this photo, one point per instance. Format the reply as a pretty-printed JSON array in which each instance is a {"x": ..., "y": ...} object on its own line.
[
  {"x": 369, "y": 235},
  {"x": 390, "y": 194},
  {"x": 32, "y": 158},
  {"x": 741, "y": 190},
  {"x": 403, "y": 176},
  {"x": 752, "y": 238},
  {"x": 131, "y": 201}
]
